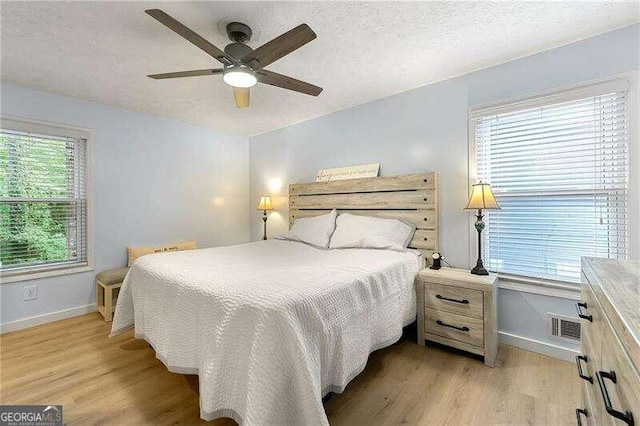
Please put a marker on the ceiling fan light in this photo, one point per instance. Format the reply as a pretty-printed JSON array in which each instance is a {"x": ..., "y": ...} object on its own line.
[{"x": 239, "y": 76}]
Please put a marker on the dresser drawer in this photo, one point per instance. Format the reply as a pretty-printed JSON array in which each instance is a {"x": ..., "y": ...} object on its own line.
[
  {"x": 590, "y": 417},
  {"x": 587, "y": 360},
  {"x": 457, "y": 300},
  {"x": 592, "y": 328},
  {"x": 624, "y": 393},
  {"x": 591, "y": 399},
  {"x": 453, "y": 326}
]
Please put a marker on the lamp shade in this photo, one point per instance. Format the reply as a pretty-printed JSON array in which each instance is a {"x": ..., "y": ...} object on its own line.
[
  {"x": 265, "y": 203},
  {"x": 482, "y": 197}
]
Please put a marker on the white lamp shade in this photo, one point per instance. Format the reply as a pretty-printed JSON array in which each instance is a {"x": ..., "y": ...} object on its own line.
[
  {"x": 481, "y": 198},
  {"x": 265, "y": 203}
]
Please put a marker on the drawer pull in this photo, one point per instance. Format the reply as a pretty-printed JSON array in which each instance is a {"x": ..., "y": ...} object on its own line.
[
  {"x": 452, "y": 326},
  {"x": 463, "y": 301},
  {"x": 580, "y": 411},
  {"x": 580, "y": 372},
  {"x": 626, "y": 417},
  {"x": 580, "y": 305}
]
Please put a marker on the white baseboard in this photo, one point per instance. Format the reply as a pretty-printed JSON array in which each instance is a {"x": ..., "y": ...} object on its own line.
[
  {"x": 544, "y": 348},
  {"x": 43, "y": 319}
]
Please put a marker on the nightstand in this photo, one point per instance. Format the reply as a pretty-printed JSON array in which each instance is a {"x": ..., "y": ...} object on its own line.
[{"x": 458, "y": 309}]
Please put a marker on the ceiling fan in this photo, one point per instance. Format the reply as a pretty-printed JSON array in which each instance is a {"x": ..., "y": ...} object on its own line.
[{"x": 243, "y": 67}]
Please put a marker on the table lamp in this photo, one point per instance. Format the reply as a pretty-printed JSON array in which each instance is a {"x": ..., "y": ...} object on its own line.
[
  {"x": 482, "y": 199},
  {"x": 264, "y": 205}
]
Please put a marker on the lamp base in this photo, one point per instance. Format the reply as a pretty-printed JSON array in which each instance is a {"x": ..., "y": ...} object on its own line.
[
  {"x": 479, "y": 269},
  {"x": 264, "y": 219}
]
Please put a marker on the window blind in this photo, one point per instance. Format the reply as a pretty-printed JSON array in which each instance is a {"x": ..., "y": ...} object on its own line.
[
  {"x": 560, "y": 174},
  {"x": 43, "y": 202}
]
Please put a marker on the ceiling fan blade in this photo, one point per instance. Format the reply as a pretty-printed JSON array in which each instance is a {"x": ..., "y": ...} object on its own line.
[
  {"x": 279, "y": 46},
  {"x": 241, "y": 95},
  {"x": 190, "y": 35},
  {"x": 194, "y": 73},
  {"x": 285, "y": 82}
]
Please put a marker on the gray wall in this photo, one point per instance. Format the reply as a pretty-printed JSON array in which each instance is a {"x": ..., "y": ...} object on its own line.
[
  {"x": 425, "y": 129},
  {"x": 154, "y": 180}
]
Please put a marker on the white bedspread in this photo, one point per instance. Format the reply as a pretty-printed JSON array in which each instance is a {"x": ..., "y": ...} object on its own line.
[{"x": 269, "y": 327}]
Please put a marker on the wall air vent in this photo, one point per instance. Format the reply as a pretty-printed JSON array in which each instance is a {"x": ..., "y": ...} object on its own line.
[{"x": 563, "y": 327}]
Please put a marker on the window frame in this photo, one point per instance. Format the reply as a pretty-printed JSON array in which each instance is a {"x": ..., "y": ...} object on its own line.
[
  {"x": 60, "y": 130},
  {"x": 549, "y": 287}
]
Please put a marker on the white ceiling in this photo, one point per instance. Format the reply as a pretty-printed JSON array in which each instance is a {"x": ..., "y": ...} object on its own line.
[{"x": 102, "y": 51}]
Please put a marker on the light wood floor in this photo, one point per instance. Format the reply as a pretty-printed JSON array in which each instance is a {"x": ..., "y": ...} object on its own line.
[{"x": 119, "y": 381}]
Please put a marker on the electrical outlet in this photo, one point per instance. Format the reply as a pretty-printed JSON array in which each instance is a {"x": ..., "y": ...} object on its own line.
[{"x": 30, "y": 292}]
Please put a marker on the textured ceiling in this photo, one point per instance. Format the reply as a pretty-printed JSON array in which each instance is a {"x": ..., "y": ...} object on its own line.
[{"x": 102, "y": 51}]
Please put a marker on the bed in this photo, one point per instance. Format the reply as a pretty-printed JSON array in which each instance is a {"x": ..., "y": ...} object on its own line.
[{"x": 271, "y": 327}]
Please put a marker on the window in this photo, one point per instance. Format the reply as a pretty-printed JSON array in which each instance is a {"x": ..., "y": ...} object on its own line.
[
  {"x": 559, "y": 169},
  {"x": 44, "y": 207}
]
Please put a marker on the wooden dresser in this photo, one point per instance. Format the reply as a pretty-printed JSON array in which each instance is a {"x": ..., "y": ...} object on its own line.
[
  {"x": 458, "y": 309},
  {"x": 609, "y": 364}
]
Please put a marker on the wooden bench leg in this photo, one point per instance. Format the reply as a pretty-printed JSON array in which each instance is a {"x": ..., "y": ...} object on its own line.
[
  {"x": 100, "y": 291},
  {"x": 108, "y": 304}
]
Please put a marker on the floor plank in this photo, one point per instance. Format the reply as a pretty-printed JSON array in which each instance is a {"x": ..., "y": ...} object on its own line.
[{"x": 100, "y": 380}]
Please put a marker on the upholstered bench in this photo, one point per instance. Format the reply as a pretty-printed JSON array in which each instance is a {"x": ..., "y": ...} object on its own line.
[
  {"x": 108, "y": 282},
  {"x": 107, "y": 288}
]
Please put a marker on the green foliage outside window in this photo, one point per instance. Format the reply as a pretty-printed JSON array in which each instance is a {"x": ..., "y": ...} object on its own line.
[{"x": 33, "y": 232}]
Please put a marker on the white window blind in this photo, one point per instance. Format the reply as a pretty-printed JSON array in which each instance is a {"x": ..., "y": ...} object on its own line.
[
  {"x": 43, "y": 202},
  {"x": 560, "y": 173}
]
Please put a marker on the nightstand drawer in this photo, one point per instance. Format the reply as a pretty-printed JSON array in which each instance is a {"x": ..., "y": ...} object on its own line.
[
  {"x": 457, "y": 300},
  {"x": 453, "y": 326}
]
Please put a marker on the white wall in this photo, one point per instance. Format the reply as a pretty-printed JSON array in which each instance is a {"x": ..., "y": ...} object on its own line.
[
  {"x": 426, "y": 130},
  {"x": 155, "y": 180}
]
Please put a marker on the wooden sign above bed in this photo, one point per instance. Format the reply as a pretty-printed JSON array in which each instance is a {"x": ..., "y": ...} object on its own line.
[
  {"x": 410, "y": 197},
  {"x": 350, "y": 172}
]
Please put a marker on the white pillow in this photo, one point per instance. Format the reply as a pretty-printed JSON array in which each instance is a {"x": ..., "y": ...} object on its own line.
[
  {"x": 315, "y": 230},
  {"x": 354, "y": 231}
]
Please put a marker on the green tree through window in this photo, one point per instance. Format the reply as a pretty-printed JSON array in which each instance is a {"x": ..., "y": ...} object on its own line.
[{"x": 42, "y": 200}]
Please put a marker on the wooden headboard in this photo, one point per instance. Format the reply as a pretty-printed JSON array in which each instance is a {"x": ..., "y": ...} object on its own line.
[{"x": 410, "y": 197}]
